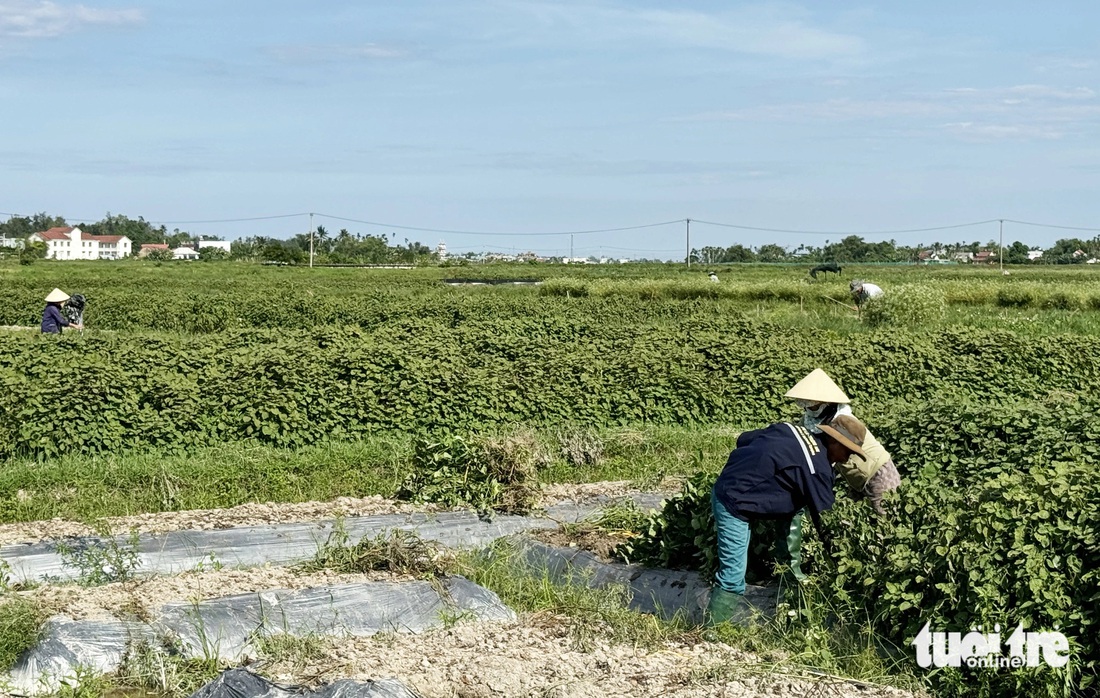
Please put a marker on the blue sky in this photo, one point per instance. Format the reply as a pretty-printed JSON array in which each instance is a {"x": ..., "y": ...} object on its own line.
[{"x": 539, "y": 117}]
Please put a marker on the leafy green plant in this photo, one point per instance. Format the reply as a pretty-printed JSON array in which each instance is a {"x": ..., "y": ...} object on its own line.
[
  {"x": 996, "y": 523},
  {"x": 104, "y": 559},
  {"x": 905, "y": 306},
  {"x": 85, "y": 682},
  {"x": 496, "y": 472}
]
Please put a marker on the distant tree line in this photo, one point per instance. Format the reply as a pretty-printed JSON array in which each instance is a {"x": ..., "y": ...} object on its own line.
[
  {"x": 854, "y": 249},
  {"x": 346, "y": 247},
  {"x": 342, "y": 248}
]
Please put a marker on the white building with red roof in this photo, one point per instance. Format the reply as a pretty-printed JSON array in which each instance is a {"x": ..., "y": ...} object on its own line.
[{"x": 73, "y": 243}]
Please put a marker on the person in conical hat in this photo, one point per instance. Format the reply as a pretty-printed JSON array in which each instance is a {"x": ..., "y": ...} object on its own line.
[
  {"x": 822, "y": 401},
  {"x": 52, "y": 317},
  {"x": 774, "y": 474}
]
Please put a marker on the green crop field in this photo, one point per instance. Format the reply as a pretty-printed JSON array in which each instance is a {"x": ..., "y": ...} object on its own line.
[{"x": 214, "y": 384}]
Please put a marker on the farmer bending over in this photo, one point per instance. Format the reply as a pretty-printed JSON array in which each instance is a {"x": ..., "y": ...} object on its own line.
[
  {"x": 774, "y": 473},
  {"x": 862, "y": 291},
  {"x": 870, "y": 477}
]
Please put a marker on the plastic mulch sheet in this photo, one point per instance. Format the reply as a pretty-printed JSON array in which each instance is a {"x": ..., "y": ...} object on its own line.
[
  {"x": 225, "y": 626},
  {"x": 252, "y": 546},
  {"x": 240, "y": 683},
  {"x": 658, "y": 591},
  {"x": 97, "y": 645}
]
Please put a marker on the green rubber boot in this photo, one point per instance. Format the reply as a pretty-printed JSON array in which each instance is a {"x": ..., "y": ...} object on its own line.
[
  {"x": 724, "y": 606},
  {"x": 788, "y": 547}
]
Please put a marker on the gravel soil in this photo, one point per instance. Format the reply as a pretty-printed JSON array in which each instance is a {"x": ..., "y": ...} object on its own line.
[
  {"x": 275, "y": 513},
  {"x": 537, "y": 657},
  {"x": 139, "y": 598}
]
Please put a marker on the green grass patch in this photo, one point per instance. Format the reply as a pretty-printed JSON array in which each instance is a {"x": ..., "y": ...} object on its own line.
[
  {"x": 86, "y": 488},
  {"x": 21, "y": 624},
  {"x": 813, "y": 636},
  {"x": 90, "y": 488}
]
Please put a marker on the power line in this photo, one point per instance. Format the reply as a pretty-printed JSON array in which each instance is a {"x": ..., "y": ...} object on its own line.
[
  {"x": 477, "y": 232},
  {"x": 852, "y": 232},
  {"x": 737, "y": 226},
  {"x": 233, "y": 220},
  {"x": 1048, "y": 225}
]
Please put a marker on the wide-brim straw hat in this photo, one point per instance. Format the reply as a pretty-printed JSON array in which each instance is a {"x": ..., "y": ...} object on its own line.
[
  {"x": 849, "y": 431},
  {"x": 57, "y": 296},
  {"x": 818, "y": 387}
]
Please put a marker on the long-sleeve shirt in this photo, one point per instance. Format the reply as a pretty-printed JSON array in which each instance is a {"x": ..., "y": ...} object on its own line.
[
  {"x": 53, "y": 320},
  {"x": 775, "y": 472},
  {"x": 869, "y": 291},
  {"x": 857, "y": 472}
]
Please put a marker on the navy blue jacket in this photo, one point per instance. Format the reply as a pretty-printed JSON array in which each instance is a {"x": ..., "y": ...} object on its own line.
[
  {"x": 775, "y": 472},
  {"x": 53, "y": 320}
]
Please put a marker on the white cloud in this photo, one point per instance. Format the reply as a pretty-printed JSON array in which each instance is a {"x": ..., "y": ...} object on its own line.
[
  {"x": 44, "y": 19},
  {"x": 766, "y": 30},
  {"x": 1028, "y": 112},
  {"x": 323, "y": 53},
  {"x": 971, "y": 131}
]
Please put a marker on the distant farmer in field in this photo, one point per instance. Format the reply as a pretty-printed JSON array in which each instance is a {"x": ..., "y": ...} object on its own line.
[
  {"x": 52, "y": 317},
  {"x": 713, "y": 278},
  {"x": 822, "y": 401},
  {"x": 774, "y": 473},
  {"x": 862, "y": 291}
]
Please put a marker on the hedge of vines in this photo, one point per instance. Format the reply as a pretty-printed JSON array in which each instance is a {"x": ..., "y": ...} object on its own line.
[{"x": 290, "y": 388}]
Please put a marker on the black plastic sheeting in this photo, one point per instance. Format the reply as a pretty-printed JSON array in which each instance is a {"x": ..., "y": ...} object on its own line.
[
  {"x": 226, "y": 626},
  {"x": 241, "y": 683},
  {"x": 664, "y": 593},
  {"x": 282, "y": 544}
]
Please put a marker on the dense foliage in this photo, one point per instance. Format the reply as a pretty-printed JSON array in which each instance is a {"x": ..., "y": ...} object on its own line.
[
  {"x": 997, "y": 522},
  {"x": 294, "y": 387}
]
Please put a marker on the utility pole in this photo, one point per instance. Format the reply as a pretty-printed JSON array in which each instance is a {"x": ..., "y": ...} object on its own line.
[
  {"x": 687, "y": 240},
  {"x": 570, "y": 248},
  {"x": 1001, "y": 256},
  {"x": 311, "y": 241}
]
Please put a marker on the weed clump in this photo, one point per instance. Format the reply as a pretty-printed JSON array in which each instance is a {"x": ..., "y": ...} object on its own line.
[
  {"x": 492, "y": 472},
  {"x": 104, "y": 561},
  {"x": 581, "y": 447},
  {"x": 159, "y": 666},
  {"x": 21, "y": 624},
  {"x": 400, "y": 552},
  {"x": 905, "y": 305}
]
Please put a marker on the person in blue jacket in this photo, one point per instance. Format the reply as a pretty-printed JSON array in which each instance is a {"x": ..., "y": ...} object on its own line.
[
  {"x": 774, "y": 473},
  {"x": 52, "y": 317}
]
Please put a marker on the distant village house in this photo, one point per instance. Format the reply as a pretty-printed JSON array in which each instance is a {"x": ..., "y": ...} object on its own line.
[
  {"x": 73, "y": 243},
  {"x": 151, "y": 247}
]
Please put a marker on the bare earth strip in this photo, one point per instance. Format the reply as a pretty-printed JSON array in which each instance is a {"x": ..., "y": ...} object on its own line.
[
  {"x": 536, "y": 657},
  {"x": 138, "y": 599},
  {"x": 271, "y": 513}
]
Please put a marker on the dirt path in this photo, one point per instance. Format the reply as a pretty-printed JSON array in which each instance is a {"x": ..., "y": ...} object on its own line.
[
  {"x": 536, "y": 657},
  {"x": 272, "y": 513}
]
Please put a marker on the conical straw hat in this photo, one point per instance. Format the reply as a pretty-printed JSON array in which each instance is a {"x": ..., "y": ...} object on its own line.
[
  {"x": 57, "y": 296},
  {"x": 818, "y": 387}
]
